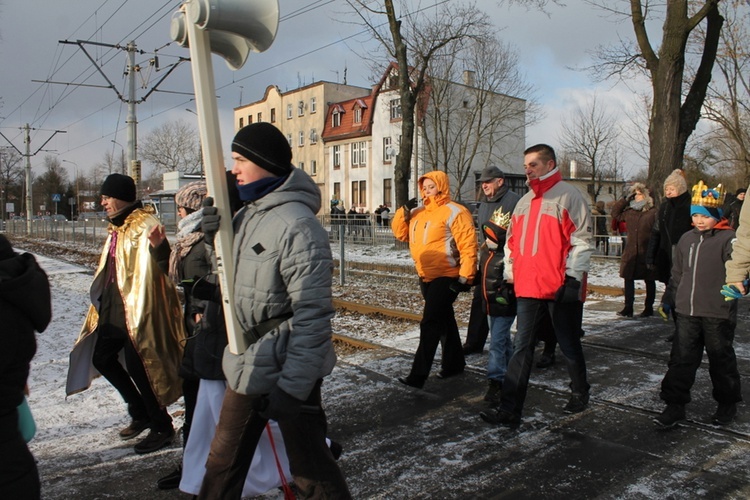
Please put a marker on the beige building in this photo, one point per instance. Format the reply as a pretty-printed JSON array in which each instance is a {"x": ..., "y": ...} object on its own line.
[{"x": 300, "y": 114}]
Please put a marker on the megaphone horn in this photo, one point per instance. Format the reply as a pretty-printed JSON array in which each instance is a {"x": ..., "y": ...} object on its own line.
[
  {"x": 255, "y": 20},
  {"x": 233, "y": 48}
]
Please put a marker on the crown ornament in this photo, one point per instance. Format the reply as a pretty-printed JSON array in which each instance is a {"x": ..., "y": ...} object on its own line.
[
  {"x": 502, "y": 219},
  {"x": 708, "y": 197}
]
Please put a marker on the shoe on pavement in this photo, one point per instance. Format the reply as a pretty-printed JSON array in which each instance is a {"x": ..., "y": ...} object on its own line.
[
  {"x": 627, "y": 312},
  {"x": 410, "y": 382},
  {"x": 725, "y": 413},
  {"x": 336, "y": 449},
  {"x": 501, "y": 417},
  {"x": 546, "y": 360},
  {"x": 134, "y": 429},
  {"x": 672, "y": 414},
  {"x": 577, "y": 403},
  {"x": 470, "y": 350},
  {"x": 154, "y": 441},
  {"x": 494, "y": 392},
  {"x": 648, "y": 311},
  {"x": 447, "y": 374},
  {"x": 171, "y": 480}
]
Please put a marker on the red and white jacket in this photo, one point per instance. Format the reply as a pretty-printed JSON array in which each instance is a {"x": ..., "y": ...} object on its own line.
[{"x": 550, "y": 236}]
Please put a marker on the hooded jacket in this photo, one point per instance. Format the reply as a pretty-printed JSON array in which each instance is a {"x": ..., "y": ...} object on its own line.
[
  {"x": 283, "y": 269},
  {"x": 738, "y": 267},
  {"x": 441, "y": 234},
  {"x": 549, "y": 237},
  {"x": 698, "y": 273},
  {"x": 153, "y": 314},
  {"x": 25, "y": 306},
  {"x": 633, "y": 265}
]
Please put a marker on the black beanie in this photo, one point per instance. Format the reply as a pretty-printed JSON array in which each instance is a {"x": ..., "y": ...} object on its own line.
[
  {"x": 119, "y": 186},
  {"x": 266, "y": 146},
  {"x": 6, "y": 249}
]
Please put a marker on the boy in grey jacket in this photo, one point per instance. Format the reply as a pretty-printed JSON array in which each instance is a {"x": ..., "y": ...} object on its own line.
[
  {"x": 282, "y": 299},
  {"x": 704, "y": 318}
]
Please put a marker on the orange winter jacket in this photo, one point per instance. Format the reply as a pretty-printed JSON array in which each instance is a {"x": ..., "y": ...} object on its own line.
[{"x": 441, "y": 235}]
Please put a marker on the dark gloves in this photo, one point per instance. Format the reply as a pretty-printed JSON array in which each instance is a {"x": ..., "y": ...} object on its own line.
[
  {"x": 506, "y": 295},
  {"x": 210, "y": 220},
  {"x": 569, "y": 292},
  {"x": 278, "y": 406},
  {"x": 408, "y": 207},
  {"x": 460, "y": 285}
]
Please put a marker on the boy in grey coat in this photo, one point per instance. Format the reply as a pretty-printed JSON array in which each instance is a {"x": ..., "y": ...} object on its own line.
[{"x": 282, "y": 295}]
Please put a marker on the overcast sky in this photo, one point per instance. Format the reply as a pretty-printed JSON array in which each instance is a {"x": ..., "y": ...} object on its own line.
[{"x": 308, "y": 48}]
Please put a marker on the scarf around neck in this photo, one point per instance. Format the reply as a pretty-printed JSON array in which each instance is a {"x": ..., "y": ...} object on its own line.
[{"x": 188, "y": 234}]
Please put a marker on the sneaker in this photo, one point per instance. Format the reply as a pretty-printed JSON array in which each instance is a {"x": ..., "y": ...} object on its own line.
[
  {"x": 724, "y": 415},
  {"x": 546, "y": 360},
  {"x": 501, "y": 417},
  {"x": 134, "y": 429},
  {"x": 494, "y": 392},
  {"x": 648, "y": 311},
  {"x": 577, "y": 403},
  {"x": 154, "y": 441},
  {"x": 171, "y": 480},
  {"x": 672, "y": 414},
  {"x": 410, "y": 382}
]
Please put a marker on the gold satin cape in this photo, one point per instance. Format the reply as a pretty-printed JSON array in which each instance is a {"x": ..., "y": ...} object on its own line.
[{"x": 153, "y": 313}]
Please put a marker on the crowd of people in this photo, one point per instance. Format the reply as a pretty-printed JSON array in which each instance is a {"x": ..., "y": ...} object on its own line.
[{"x": 246, "y": 412}]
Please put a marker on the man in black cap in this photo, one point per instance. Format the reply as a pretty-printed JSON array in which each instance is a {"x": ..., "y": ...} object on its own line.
[
  {"x": 734, "y": 207},
  {"x": 283, "y": 301},
  {"x": 135, "y": 310}
]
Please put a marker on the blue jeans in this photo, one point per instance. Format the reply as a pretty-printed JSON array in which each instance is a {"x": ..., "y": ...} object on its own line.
[
  {"x": 566, "y": 320},
  {"x": 501, "y": 346}
]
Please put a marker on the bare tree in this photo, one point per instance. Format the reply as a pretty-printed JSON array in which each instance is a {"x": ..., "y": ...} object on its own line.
[
  {"x": 11, "y": 179},
  {"x": 54, "y": 180},
  {"x": 676, "y": 100},
  {"x": 591, "y": 137},
  {"x": 173, "y": 146},
  {"x": 482, "y": 121}
]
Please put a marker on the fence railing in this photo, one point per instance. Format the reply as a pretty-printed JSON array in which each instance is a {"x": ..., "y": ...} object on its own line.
[{"x": 82, "y": 231}]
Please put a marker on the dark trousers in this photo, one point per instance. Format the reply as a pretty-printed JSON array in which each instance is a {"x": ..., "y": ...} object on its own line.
[
  {"x": 19, "y": 478},
  {"x": 629, "y": 290},
  {"x": 133, "y": 384},
  {"x": 190, "y": 396},
  {"x": 566, "y": 321},
  {"x": 438, "y": 325},
  {"x": 315, "y": 472},
  {"x": 478, "y": 329},
  {"x": 693, "y": 334}
]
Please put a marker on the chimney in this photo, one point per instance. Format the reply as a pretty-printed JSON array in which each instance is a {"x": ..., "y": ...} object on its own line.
[{"x": 469, "y": 78}]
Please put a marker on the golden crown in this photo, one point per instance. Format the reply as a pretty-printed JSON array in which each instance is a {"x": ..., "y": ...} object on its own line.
[
  {"x": 501, "y": 218},
  {"x": 708, "y": 197}
]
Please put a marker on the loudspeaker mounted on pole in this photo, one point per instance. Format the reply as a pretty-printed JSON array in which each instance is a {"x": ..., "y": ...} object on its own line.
[{"x": 231, "y": 29}]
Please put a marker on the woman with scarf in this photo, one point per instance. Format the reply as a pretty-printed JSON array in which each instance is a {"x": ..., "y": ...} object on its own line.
[{"x": 638, "y": 212}]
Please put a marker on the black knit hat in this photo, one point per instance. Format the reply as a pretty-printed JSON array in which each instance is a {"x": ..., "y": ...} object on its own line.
[
  {"x": 119, "y": 186},
  {"x": 6, "y": 249},
  {"x": 266, "y": 146}
]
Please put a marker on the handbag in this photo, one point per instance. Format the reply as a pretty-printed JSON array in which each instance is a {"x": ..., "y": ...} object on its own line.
[{"x": 26, "y": 424}]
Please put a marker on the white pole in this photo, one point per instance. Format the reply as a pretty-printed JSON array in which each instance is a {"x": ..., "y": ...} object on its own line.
[{"x": 213, "y": 159}]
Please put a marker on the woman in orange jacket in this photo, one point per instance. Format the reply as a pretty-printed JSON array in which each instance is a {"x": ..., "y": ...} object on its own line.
[{"x": 443, "y": 244}]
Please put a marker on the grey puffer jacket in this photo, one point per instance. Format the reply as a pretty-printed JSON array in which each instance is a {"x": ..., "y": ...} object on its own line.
[{"x": 283, "y": 266}]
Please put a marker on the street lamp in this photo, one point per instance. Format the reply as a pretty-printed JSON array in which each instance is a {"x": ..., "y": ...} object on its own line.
[{"x": 78, "y": 188}]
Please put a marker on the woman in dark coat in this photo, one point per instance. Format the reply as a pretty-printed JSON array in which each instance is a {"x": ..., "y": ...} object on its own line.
[
  {"x": 25, "y": 306},
  {"x": 638, "y": 212}
]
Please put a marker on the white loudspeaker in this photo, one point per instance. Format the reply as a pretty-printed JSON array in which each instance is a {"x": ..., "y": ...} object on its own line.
[
  {"x": 233, "y": 48},
  {"x": 254, "y": 20}
]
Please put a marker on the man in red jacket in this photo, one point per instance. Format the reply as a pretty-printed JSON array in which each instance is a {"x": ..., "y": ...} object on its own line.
[{"x": 547, "y": 253}]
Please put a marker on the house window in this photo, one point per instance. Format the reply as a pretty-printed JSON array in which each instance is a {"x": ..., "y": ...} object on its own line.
[
  {"x": 337, "y": 190},
  {"x": 355, "y": 193},
  {"x": 359, "y": 193},
  {"x": 363, "y": 154},
  {"x": 387, "y": 192},
  {"x": 301, "y": 108},
  {"x": 301, "y": 140},
  {"x": 388, "y": 151},
  {"x": 313, "y": 105},
  {"x": 355, "y": 154},
  {"x": 273, "y": 115},
  {"x": 289, "y": 111},
  {"x": 336, "y": 156},
  {"x": 395, "y": 109},
  {"x": 358, "y": 115},
  {"x": 249, "y": 119},
  {"x": 260, "y": 117},
  {"x": 242, "y": 122},
  {"x": 336, "y": 119},
  {"x": 289, "y": 139},
  {"x": 301, "y": 166},
  {"x": 313, "y": 136},
  {"x": 313, "y": 167}
]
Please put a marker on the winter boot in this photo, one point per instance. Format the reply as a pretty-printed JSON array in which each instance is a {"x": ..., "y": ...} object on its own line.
[
  {"x": 672, "y": 414},
  {"x": 577, "y": 403},
  {"x": 725, "y": 413},
  {"x": 647, "y": 311},
  {"x": 627, "y": 312},
  {"x": 494, "y": 392}
]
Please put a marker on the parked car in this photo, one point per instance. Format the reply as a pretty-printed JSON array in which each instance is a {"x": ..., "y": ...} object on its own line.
[{"x": 59, "y": 218}]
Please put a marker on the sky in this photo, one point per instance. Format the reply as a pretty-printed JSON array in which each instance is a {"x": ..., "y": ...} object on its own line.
[{"x": 83, "y": 120}]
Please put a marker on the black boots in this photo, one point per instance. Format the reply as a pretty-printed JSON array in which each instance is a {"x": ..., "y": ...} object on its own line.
[{"x": 627, "y": 312}]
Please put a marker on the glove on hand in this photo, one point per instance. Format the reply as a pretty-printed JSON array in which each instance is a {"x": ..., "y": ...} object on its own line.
[
  {"x": 411, "y": 204},
  {"x": 459, "y": 286},
  {"x": 278, "y": 406},
  {"x": 731, "y": 292},
  {"x": 664, "y": 310},
  {"x": 210, "y": 220},
  {"x": 506, "y": 294},
  {"x": 569, "y": 291}
]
